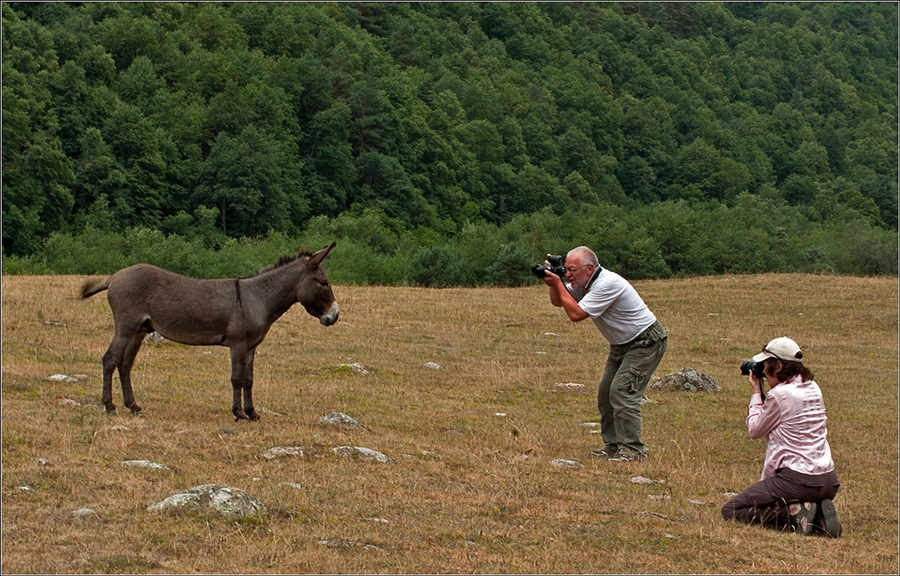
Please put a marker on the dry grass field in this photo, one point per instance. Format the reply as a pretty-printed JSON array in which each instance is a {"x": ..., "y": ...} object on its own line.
[{"x": 471, "y": 487}]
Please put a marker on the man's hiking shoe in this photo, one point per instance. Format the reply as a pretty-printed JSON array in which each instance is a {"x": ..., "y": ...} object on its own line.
[
  {"x": 803, "y": 520},
  {"x": 627, "y": 456},
  {"x": 605, "y": 452},
  {"x": 827, "y": 520}
]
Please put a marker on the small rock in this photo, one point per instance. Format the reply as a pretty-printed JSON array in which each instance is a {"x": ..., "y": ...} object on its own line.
[
  {"x": 267, "y": 411},
  {"x": 278, "y": 451},
  {"x": 341, "y": 419},
  {"x": 642, "y": 480},
  {"x": 291, "y": 485},
  {"x": 562, "y": 462},
  {"x": 155, "y": 338},
  {"x": 348, "y": 544},
  {"x": 569, "y": 385},
  {"x": 67, "y": 402},
  {"x": 144, "y": 464},
  {"x": 359, "y": 452},
  {"x": 356, "y": 368},
  {"x": 433, "y": 365},
  {"x": 427, "y": 455},
  {"x": 82, "y": 512},
  {"x": 61, "y": 378},
  {"x": 43, "y": 462}
]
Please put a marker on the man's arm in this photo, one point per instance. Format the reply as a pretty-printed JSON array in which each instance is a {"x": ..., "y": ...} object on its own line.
[{"x": 561, "y": 298}]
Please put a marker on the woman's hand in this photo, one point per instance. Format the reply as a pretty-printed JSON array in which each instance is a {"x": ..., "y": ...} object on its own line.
[{"x": 755, "y": 385}]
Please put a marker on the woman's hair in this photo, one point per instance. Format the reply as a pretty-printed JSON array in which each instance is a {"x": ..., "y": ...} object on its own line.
[{"x": 788, "y": 370}]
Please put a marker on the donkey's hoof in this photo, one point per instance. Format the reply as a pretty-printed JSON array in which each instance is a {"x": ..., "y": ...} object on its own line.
[
  {"x": 239, "y": 415},
  {"x": 252, "y": 415},
  {"x": 111, "y": 410},
  {"x": 136, "y": 410}
]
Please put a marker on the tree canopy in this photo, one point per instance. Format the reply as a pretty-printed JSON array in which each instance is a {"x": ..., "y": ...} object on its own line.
[{"x": 239, "y": 120}]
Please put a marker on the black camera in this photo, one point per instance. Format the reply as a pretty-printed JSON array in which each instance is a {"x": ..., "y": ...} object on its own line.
[
  {"x": 557, "y": 266},
  {"x": 748, "y": 366}
]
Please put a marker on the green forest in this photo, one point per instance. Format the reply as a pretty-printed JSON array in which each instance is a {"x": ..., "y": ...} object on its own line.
[{"x": 450, "y": 144}]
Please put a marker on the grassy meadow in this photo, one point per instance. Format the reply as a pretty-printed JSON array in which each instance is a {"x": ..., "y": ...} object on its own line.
[{"x": 471, "y": 487}]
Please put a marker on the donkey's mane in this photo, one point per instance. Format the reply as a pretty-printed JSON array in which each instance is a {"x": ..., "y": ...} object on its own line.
[{"x": 282, "y": 261}]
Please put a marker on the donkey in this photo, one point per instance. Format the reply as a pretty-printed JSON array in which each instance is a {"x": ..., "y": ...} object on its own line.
[{"x": 236, "y": 312}]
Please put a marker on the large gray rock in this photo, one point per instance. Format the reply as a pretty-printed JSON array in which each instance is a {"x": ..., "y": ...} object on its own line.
[
  {"x": 687, "y": 380},
  {"x": 230, "y": 502}
]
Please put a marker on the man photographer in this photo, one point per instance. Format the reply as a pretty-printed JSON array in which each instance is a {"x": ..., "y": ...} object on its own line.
[
  {"x": 637, "y": 343},
  {"x": 798, "y": 479}
]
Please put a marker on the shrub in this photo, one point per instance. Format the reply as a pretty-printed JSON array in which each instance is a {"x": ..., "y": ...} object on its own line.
[
  {"x": 511, "y": 268},
  {"x": 437, "y": 267}
]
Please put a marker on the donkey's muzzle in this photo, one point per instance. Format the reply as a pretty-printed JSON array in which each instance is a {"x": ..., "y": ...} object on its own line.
[{"x": 331, "y": 316}]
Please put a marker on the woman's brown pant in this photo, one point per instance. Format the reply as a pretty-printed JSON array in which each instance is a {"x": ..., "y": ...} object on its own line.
[{"x": 767, "y": 501}]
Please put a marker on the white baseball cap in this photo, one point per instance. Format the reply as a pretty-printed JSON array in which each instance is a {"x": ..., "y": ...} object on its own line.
[{"x": 782, "y": 348}]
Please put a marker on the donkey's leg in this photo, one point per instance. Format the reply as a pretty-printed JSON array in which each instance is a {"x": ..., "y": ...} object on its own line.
[
  {"x": 241, "y": 375},
  {"x": 112, "y": 360},
  {"x": 125, "y": 371},
  {"x": 248, "y": 388}
]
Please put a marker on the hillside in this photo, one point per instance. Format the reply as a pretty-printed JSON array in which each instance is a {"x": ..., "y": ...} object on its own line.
[{"x": 217, "y": 121}]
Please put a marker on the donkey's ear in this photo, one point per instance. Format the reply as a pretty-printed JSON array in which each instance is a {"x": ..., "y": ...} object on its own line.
[{"x": 317, "y": 258}]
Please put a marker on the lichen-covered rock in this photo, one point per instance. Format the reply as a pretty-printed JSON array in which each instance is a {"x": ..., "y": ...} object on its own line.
[
  {"x": 360, "y": 452},
  {"x": 279, "y": 451},
  {"x": 230, "y": 502},
  {"x": 339, "y": 419},
  {"x": 687, "y": 380}
]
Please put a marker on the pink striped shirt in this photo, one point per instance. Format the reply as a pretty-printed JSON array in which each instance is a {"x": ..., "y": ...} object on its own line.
[{"x": 792, "y": 419}]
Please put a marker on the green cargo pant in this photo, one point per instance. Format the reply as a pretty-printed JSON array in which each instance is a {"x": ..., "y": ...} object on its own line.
[{"x": 628, "y": 370}]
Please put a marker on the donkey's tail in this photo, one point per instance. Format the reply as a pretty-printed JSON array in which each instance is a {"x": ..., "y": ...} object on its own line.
[{"x": 92, "y": 287}]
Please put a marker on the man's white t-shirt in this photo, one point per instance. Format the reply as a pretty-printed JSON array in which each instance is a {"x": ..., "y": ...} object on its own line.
[{"x": 615, "y": 307}]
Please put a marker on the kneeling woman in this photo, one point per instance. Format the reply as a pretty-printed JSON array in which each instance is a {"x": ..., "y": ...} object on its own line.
[{"x": 798, "y": 479}]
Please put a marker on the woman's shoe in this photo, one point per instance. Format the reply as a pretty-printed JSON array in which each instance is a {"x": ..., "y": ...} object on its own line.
[
  {"x": 802, "y": 520},
  {"x": 827, "y": 519}
]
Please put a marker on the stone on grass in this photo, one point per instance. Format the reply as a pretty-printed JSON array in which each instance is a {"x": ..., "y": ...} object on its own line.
[
  {"x": 356, "y": 368},
  {"x": 360, "y": 452},
  {"x": 563, "y": 463},
  {"x": 569, "y": 385},
  {"x": 689, "y": 380},
  {"x": 232, "y": 503},
  {"x": 279, "y": 451},
  {"x": 339, "y": 419},
  {"x": 155, "y": 338},
  {"x": 643, "y": 480},
  {"x": 144, "y": 464}
]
